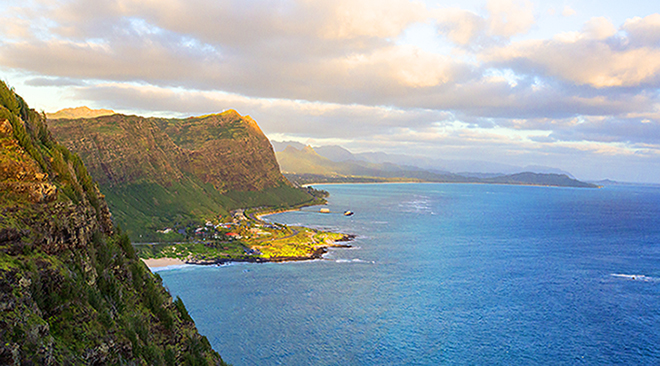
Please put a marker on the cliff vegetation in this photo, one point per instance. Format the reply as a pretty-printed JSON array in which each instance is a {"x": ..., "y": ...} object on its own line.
[
  {"x": 158, "y": 172},
  {"x": 72, "y": 290}
]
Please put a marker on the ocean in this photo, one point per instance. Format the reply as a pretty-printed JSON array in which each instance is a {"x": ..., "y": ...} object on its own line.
[{"x": 448, "y": 274}]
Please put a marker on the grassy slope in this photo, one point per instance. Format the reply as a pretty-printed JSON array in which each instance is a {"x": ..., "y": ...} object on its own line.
[
  {"x": 159, "y": 173},
  {"x": 72, "y": 292},
  {"x": 143, "y": 208}
]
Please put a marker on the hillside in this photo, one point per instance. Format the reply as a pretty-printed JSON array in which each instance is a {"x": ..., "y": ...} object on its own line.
[
  {"x": 465, "y": 168},
  {"x": 158, "y": 172},
  {"x": 308, "y": 161},
  {"x": 72, "y": 290},
  {"x": 307, "y": 166},
  {"x": 79, "y": 112}
]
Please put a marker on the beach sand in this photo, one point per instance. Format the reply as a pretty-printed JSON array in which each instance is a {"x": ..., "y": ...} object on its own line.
[{"x": 162, "y": 262}]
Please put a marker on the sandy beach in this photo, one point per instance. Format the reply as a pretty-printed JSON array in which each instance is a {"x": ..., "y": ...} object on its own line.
[
  {"x": 259, "y": 216},
  {"x": 162, "y": 262}
]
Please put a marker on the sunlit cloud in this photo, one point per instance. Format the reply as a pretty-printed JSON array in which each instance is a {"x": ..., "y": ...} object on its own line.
[
  {"x": 486, "y": 82},
  {"x": 568, "y": 11}
]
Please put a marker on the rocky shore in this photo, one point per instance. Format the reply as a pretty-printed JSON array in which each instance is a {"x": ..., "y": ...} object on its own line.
[{"x": 316, "y": 254}]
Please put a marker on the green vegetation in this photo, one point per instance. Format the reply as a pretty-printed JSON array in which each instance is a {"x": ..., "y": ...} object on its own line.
[
  {"x": 245, "y": 239},
  {"x": 73, "y": 290},
  {"x": 144, "y": 208},
  {"x": 159, "y": 173}
]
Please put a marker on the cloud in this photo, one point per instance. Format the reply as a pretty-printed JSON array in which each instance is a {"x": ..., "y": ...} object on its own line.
[
  {"x": 608, "y": 130},
  {"x": 371, "y": 18},
  {"x": 568, "y": 11},
  {"x": 643, "y": 31},
  {"x": 605, "y": 61},
  {"x": 510, "y": 17},
  {"x": 460, "y": 26},
  {"x": 504, "y": 19},
  {"x": 40, "y": 81},
  {"x": 599, "y": 28},
  {"x": 342, "y": 70},
  {"x": 275, "y": 116}
]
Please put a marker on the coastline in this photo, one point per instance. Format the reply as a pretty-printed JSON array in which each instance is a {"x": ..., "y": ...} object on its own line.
[
  {"x": 162, "y": 262},
  {"x": 315, "y": 255},
  {"x": 482, "y": 183},
  {"x": 257, "y": 216}
]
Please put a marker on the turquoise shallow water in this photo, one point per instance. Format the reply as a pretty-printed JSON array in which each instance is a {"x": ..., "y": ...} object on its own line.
[{"x": 448, "y": 274}]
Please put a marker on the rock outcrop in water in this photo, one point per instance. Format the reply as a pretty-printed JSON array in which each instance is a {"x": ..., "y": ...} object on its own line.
[{"x": 72, "y": 290}]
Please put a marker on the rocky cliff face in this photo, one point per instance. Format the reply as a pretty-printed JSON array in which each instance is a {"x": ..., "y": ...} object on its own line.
[
  {"x": 159, "y": 172},
  {"x": 72, "y": 290},
  {"x": 226, "y": 150}
]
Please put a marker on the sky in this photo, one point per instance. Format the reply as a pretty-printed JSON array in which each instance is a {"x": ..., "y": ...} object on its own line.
[{"x": 569, "y": 84}]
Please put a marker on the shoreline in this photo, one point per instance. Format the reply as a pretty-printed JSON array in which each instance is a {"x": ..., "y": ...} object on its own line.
[
  {"x": 482, "y": 183},
  {"x": 317, "y": 253},
  {"x": 160, "y": 263},
  {"x": 257, "y": 216}
]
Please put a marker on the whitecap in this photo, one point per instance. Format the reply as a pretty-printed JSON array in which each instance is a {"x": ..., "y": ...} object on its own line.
[
  {"x": 354, "y": 260},
  {"x": 169, "y": 268},
  {"x": 635, "y": 277}
]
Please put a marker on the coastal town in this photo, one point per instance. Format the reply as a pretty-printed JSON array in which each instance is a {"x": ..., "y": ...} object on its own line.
[{"x": 241, "y": 237}]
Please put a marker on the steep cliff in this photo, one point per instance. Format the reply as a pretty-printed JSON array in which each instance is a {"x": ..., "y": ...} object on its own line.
[
  {"x": 159, "y": 172},
  {"x": 72, "y": 290}
]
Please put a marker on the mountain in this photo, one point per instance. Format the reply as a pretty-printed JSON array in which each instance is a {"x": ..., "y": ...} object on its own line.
[
  {"x": 335, "y": 153},
  {"x": 467, "y": 168},
  {"x": 281, "y": 145},
  {"x": 72, "y": 290},
  {"x": 308, "y": 161},
  {"x": 158, "y": 172},
  {"x": 79, "y": 112},
  {"x": 307, "y": 166},
  {"x": 542, "y": 179}
]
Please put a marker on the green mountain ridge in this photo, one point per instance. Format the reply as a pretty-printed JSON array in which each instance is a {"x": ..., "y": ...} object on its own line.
[
  {"x": 160, "y": 172},
  {"x": 72, "y": 290}
]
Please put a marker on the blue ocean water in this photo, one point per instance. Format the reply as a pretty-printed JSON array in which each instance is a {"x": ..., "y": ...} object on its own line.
[{"x": 448, "y": 274}]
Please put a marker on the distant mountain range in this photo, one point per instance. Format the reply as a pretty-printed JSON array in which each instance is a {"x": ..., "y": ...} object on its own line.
[
  {"x": 79, "y": 112},
  {"x": 472, "y": 168},
  {"x": 305, "y": 164}
]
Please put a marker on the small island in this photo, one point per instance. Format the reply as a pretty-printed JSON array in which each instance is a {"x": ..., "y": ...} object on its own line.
[{"x": 243, "y": 238}]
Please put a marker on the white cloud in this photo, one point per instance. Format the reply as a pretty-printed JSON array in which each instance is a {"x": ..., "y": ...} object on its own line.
[
  {"x": 644, "y": 31},
  {"x": 593, "y": 57},
  {"x": 505, "y": 19},
  {"x": 460, "y": 26},
  {"x": 510, "y": 17},
  {"x": 370, "y": 18},
  {"x": 568, "y": 11},
  {"x": 598, "y": 28},
  {"x": 313, "y": 68}
]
